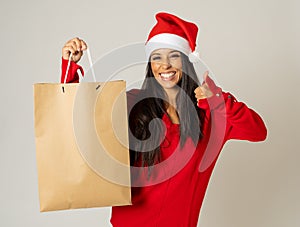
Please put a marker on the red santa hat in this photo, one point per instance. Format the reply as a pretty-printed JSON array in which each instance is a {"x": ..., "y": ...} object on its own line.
[{"x": 173, "y": 32}]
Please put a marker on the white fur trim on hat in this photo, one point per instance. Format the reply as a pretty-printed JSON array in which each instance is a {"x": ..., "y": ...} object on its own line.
[
  {"x": 167, "y": 40},
  {"x": 194, "y": 57}
]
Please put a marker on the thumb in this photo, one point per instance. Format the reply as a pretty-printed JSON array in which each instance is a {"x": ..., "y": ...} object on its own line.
[
  {"x": 205, "y": 75},
  {"x": 210, "y": 83}
]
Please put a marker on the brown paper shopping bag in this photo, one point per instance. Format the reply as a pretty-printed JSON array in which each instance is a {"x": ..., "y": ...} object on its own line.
[{"x": 81, "y": 145}]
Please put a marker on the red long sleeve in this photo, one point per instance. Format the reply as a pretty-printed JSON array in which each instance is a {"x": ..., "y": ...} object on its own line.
[
  {"x": 72, "y": 74},
  {"x": 226, "y": 119},
  {"x": 240, "y": 121}
]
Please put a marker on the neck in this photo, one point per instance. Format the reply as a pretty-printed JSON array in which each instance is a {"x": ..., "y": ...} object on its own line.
[
  {"x": 171, "y": 106},
  {"x": 171, "y": 95}
]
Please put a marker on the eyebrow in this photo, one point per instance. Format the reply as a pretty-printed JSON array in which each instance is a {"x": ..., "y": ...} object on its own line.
[{"x": 168, "y": 53}]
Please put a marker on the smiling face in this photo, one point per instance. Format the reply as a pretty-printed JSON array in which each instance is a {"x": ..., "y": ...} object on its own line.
[{"x": 166, "y": 66}]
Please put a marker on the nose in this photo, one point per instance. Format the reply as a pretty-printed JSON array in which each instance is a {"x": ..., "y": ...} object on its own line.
[{"x": 165, "y": 63}]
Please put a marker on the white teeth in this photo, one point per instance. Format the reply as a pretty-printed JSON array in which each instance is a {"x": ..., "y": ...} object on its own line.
[{"x": 167, "y": 75}]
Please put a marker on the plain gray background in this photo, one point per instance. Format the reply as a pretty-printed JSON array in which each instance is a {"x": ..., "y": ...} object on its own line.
[{"x": 251, "y": 46}]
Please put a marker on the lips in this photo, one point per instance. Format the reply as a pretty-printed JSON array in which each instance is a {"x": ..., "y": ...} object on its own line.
[{"x": 167, "y": 76}]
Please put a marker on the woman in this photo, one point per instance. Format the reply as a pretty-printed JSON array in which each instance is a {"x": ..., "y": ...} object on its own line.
[{"x": 178, "y": 156}]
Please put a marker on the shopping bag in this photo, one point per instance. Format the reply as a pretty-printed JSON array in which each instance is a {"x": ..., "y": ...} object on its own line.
[{"x": 81, "y": 136}]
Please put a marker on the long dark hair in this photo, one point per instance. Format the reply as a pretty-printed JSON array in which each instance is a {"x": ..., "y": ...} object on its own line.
[{"x": 151, "y": 104}]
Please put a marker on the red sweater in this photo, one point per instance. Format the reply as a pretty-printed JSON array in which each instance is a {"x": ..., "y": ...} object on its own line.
[{"x": 177, "y": 200}]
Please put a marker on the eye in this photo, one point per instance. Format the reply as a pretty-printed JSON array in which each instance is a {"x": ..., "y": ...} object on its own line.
[
  {"x": 175, "y": 55},
  {"x": 155, "y": 58}
]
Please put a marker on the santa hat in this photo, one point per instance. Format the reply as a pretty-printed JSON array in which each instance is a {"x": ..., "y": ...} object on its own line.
[{"x": 173, "y": 32}]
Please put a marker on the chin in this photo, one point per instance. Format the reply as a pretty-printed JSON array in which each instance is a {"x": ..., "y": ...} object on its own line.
[{"x": 168, "y": 85}]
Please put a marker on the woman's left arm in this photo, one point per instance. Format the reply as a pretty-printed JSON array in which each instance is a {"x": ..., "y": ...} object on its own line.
[{"x": 240, "y": 122}]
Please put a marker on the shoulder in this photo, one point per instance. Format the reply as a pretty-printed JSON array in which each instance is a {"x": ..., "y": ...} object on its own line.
[
  {"x": 132, "y": 97},
  {"x": 133, "y": 92}
]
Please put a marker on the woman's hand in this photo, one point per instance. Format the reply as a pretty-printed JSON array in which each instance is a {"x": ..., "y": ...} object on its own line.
[
  {"x": 207, "y": 89},
  {"x": 75, "y": 46}
]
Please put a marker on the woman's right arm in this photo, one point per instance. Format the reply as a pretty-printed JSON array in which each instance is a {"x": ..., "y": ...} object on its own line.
[{"x": 75, "y": 46}]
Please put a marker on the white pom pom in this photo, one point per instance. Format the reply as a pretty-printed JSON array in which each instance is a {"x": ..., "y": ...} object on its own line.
[{"x": 194, "y": 57}]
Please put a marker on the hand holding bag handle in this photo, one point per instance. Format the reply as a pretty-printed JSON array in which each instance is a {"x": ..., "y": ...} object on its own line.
[{"x": 78, "y": 71}]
